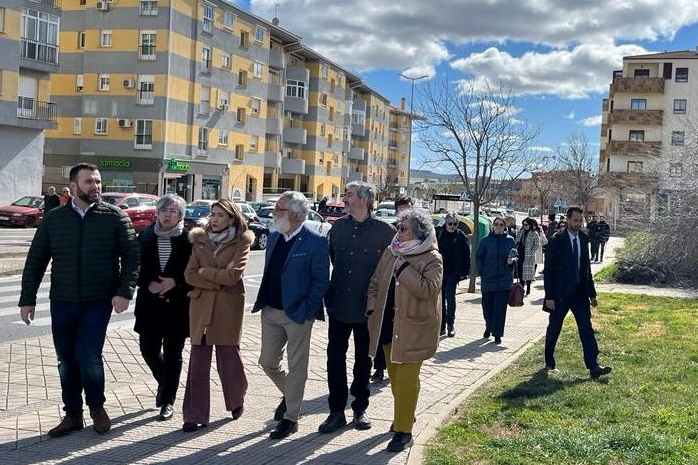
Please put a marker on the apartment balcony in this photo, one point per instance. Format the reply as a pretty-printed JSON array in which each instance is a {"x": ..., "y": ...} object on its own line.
[
  {"x": 275, "y": 93},
  {"x": 41, "y": 53},
  {"x": 636, "y": 117},
  {"x": 295, "y": 136},
  {"x": 296, "y": 104},
  {"x": 44, "y": 114},
  {"x": 52, "y": 3},
  {"x": 292, "y": 166},
  {"x": 632, "y": 148},
  {"x": 359, "y": 105},
  {"x": 346, "y": 146},
  {"x": 348, "y": 94},
  {"x": 345, "y": 171},
  {"x": 277, "y": 59},
  {"x": 275, "y": 126},
  {"x": 145, "y": 97},
  {"x": 356, "y": 177},
  {"x": 631, "y": 85},
  {"x": 625, "y": 179},
  {"x": 356, "y": 153},
  {"x": 358, "y": 129},
  {"x": 272, "y": 160}
]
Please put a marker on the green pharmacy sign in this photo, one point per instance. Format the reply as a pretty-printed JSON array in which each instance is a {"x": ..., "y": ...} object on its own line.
[
  {"x": 114, "y": 163},
  {"x": 174, "y": 165}
]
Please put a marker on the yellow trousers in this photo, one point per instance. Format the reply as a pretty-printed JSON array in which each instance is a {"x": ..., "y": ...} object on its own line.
[{"x": 404, "y": 382}]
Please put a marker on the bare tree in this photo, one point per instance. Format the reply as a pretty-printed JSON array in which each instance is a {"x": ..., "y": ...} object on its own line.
[
  {"x": 474, "y": 131},
  {"x": 546, "y": 183},
  {"x": 578, "y": 169}
]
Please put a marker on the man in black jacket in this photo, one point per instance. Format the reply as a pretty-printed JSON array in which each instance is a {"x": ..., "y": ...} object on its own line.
[
  {"x": 603, "y": 231},
  {"x": 569, "y": 285},
  {"x": 51, "y": 199},
  {"x": 455, "y": 250},
  {"x": 95, "y": 256}
]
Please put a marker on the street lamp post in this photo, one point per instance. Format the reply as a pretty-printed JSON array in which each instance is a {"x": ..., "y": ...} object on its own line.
[{"x": 409, "y": 147}]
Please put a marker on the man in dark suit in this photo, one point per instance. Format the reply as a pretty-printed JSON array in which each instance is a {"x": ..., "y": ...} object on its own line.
[{"x": 569, "y": 285}]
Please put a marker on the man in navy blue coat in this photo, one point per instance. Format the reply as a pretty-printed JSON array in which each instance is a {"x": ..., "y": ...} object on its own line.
[
  {"x": 296, "y": 276},
  {"x": 569, "y": 285}
]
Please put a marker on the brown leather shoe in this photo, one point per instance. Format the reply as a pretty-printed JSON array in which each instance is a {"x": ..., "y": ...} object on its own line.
[
  {"x": 70, "y": 422},
  {"x": 100, "y": 420}
]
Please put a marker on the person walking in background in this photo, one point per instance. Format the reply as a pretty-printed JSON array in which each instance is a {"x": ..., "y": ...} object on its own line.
[
  {"x": 541, "y": 250},
  {"x": 569, "y": 285},
  {"x": 593, "y": 232},
  {"x": 404, "y": 316},
  {"x": 495, "y": 260},
  {"x": 94, "y": 253},
  {"x": 603, "y": 231},
  {"x": 356, "y": 244},
  {"x": 65, "y": 195},
  {"x": 51, "y": 199},
  {"x": 215, "y": 270},
  {"x": 527, "y": 244},
  {"x": 510, "y": 223},
  {"x": 162, "y": 304},
  {"x": 455, "y": 250},
  {"x": 296, "y": 276},
  {"x": 552, "y": 226}
]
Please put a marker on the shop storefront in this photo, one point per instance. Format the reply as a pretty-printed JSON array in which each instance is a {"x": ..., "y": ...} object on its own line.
[{"x": 194, "y": 180}]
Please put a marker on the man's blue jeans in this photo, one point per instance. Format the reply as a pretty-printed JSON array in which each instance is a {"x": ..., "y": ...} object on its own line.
[{"x": 79, "y": 330}]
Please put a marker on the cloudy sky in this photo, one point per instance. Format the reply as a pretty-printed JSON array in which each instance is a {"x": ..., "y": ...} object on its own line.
[{"x": 557, "y": 56}]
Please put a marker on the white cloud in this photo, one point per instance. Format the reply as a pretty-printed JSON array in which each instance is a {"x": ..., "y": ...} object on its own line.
[
  {"x": 570, "y": 115},
  {"x": 365, "y": 35},
  {"x": 591, "y": 121}
]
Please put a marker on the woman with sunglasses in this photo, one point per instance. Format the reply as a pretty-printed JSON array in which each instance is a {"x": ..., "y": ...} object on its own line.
[
  {"x": 455, "y": 250},
  {"x": 404, "y": 314},
  {"x": 528, "y": 244},
  {"x": 495, "y": 260}
]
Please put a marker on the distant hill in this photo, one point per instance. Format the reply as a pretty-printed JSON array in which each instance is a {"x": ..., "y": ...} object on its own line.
[{"x": 421, "y": 175}]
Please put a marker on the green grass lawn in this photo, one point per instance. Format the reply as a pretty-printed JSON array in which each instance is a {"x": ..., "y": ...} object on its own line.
[{"x": 645, "y": 412}]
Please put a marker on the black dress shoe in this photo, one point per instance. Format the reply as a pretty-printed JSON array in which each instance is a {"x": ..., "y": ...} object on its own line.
[
  {"x": 280, "y": 410},
  {"x": 191, "y": 427},
  {"x": 378, "y": 376},
  {"x": 451, "y": 331},
  {"x": 399, "y": 442},
  {"x": 283, "y": 429},
  {"x": 599, "y": 371},
  {"x": 443, "y": 332},
  {"x": 166, "y": 412},
  {"x": 334, "y": 421},
  {"x": 237, "y": 413},
  {"x": 361, "y": 421},
  {"x": 497, "y": 340},
  {"x": 486, "y": 335}
]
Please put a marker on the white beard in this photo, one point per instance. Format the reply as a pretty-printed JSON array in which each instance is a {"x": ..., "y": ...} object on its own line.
[{"x": 282, "y": 225}]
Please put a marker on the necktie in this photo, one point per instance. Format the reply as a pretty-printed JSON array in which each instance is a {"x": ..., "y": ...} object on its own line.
[{"x": 575, "y": 253}]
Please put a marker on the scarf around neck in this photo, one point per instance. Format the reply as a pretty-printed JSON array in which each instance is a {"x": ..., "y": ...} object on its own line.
[
  {"x": 174, "y": 232},
  {"x": 224, "y": 236}
]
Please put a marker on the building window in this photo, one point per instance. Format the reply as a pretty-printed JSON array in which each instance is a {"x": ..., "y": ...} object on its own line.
[
  {"x": 322, "y": 129},
  {"x": 228, "y": 20},
  {"x": 208, "y": 17},
  {"x": 203, "y": 138},
  {"x": 39, "y": 36},
  {"x": 205, "y": 60},
  {"x": 634, "y": 167},
  {"x": 331, "y": 114},
  {"x": 259, "y": 33},
  {"x": 254, "y": 143},
  {"x": 681, "y": 75},
  {"x": 239, "y": 152},
  {"x": 103, "y": 82},
  {"x": 242, "y": 79},
  {"x": 105, "y": 38},
  {"x": 295, "y": 88},
  {"x": 256, "y": 106},
  {"x": 224, "y": 100},
  {"x": 358, "y": 117},
  {"x": 675, "y": 169},
  {"x": 146, "y": 48},
  {"x": 637, "y": 136},
  {"x": 2, "y": 19},
  {"x": 222, "y": 137},
  {"x": 79, "y": 82},
  {"x": 679, "y": 106},
  {"x": 144, "y": 134},
  {"x": 240, "y": 115},
  {"x": 257, "y": 69},
  {"x": 101, "y": 126},
  {"x": 244, "y": 39},
  {"x": 677, "y": 137},
  {"x": 641, "y": 73},
  {"x": 77, "y": 125},
  {"x": 330, "y": 140},
  {"x": 323, "y": 100},
  {"x": 81, "y": 39},
  {"x": 226, "y": 61},
  {"x": 146, "y": 90},
  {"x": 638, "y": 104},
  {"x": 205, "y": 100},
  {"x": 148, "y": 8}
]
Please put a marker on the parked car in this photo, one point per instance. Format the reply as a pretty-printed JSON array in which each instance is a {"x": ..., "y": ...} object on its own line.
[
  {"x": 258, "y": 205},
  {"x": 198, "y": 216},
  {"x": 26, "y": 212},
  {"x": 141, "y": 208},
  {"x": 390, "y": 204},
  {"x": 314, "y": 222},
  {"x": 386, "y": 214},
  {"x": 332, "y": 211},
  {"x": 248, "y": 211}
]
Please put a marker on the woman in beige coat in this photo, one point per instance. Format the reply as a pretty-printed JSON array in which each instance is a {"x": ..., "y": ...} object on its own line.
[
  {"x": 404, "y": 314},
  {"x": 218, "y": 261}
]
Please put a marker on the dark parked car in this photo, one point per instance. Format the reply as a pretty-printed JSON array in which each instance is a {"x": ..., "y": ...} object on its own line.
[
  {"x": 332, "y": 211},
  {"x": 141, "y": 208},
  {"x": 27, "y": 212},
  {"x": 197, "y": 215}
]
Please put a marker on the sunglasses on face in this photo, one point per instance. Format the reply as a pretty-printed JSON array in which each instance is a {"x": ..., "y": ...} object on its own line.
[
  {"x": 451, "y": 223},
  {"x": 402, "y": 228}
]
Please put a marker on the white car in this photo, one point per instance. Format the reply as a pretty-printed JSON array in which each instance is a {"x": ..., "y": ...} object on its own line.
[
  {"x": 314, "y": 222},
  {"x": 386, "y": 214}
]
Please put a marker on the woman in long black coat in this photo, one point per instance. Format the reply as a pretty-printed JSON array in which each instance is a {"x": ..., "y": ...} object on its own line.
[{"x": 162, "y": 305}]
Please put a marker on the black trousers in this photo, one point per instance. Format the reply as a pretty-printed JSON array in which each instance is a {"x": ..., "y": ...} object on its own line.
[
  {"x": 582, "y": 314},
  {"x": 379, "y": 360},
  {"x": 494, "y": 311},
  {"x": 595, "y": 250},
  {"x": 337, "y": 346},
  {"x": 163, "y": 355}
]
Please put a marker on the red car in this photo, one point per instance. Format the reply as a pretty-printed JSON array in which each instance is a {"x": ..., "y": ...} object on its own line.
[
  {"x": 332, "y": 211},
  {"x": 26, "y": 212},
  {"x": 141, "y": 208}
]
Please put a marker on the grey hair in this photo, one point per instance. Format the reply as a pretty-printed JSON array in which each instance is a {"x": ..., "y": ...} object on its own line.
[
  {"x": 298, "y": 204},
  {"x": 172, "y": 199},
  {"x": 363, "y": 191},
  {"x": 420, "y": 222}
]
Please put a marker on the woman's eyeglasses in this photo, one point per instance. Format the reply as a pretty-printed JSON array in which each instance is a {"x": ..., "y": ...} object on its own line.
[
  {"x": 402, "y": 228},
  {"x": 451, "y": 223},
  {"x": 498, "y": 225}
]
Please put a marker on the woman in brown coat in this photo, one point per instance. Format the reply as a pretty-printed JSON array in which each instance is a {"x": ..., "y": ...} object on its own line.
[
  {"x": 218, "y": 261},
  {"x": 404, "y": 314}
]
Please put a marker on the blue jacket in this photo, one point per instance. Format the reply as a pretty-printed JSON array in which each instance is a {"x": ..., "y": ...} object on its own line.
[
  {"x": 305, "y": 277},
  {"x": 491, "y": 260}
]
